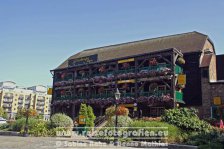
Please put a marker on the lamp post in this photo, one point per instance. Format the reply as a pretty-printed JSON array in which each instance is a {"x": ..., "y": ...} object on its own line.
[
  {"x": 25, "y": 134},
  {"x": 117, "y": 97}
]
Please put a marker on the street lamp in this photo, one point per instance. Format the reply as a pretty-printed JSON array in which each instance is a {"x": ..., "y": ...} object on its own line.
[
  {"x": 117, "y": 97},
  {"x": 25, "y": 134}
]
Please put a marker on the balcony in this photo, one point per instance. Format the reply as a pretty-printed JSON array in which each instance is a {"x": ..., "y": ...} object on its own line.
[
  {"x": 130, "y": 70},
  {"x": 20, "y": 106},
  {"x": 127, "y": 95},
  {"x": 20, "y": 102},
  {"x": 39, "y": 107},
  {"x": 155, "y": 93},
  {"x": 40, "y": 103},
  {"x": 7, "y": 100},
  {"x": 7, "y": 105},
  {"x": 156, "y": 67}
]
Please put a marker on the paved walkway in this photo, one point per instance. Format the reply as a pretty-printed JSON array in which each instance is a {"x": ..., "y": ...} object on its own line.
[{"x": 13, "y": 142}]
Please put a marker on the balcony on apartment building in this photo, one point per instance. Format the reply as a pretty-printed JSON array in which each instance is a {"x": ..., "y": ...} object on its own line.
[
  {"x": 20, "y": 101},
  {"x": 20, "y": 106},
  {"x": 40, "y": 103},
  {"x": 7, "y": 105},
  {"x": 8, "y": 100}
]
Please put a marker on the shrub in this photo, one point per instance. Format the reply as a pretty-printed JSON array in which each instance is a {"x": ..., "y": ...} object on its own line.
[
  {"x": 23, "y": 112},
  {"x": 3, "y": 113},
  {"x": 209, "y": 140},
  {"x": 90, "y": 117},
  {"x": 121, "y": 110},
  {"x": 39, "y": 129},
  {"x": 61, "y": 120},
  {"x": 110, "y": 111},
  {"x": 186, "y": 119},
  {"x": 19, "y": 124},
  {"x": 4, "y": 126},
  {"x": 173, "y": 133},
  {"x": 123, "y": 121},
  {"x": 151, "y": 118}
]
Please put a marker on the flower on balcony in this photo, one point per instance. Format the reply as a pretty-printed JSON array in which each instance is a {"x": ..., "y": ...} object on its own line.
[
  {"x": 153, "y": 62},
  {"x": 63, "y": 75},
  {"x": 102, "y": 69},
  {"x": 125, "y": 65},
  {"x": 152, "y": 73},
  {"x": 125, "y": 86}
]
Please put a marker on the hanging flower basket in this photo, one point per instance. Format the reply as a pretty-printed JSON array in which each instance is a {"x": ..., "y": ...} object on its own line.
[{"x": 181, "y": 60}]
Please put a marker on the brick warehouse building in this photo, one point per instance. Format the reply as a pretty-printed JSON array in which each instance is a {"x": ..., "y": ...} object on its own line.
[{"x": 145, "y": 72}]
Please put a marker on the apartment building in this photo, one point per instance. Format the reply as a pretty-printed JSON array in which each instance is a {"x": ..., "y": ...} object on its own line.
[{"x": 14, "y": 98}]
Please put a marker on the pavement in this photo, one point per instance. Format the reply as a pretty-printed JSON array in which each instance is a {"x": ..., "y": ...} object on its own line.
[{"x": 17, "y": 142}]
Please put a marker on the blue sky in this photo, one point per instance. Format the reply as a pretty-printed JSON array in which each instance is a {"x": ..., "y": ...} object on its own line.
[{"x": 36, "y": 36}]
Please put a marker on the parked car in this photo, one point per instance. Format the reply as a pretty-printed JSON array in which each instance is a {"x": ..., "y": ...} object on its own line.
[{"x": 2, "y": 120}]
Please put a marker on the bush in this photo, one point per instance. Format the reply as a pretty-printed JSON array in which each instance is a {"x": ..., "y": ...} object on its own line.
[
  {"x": 121, "y": 110},
  {"x": 19, "y": 124},
  {"x": 209, "y": 140},
  {"x": 123, "y": 121},
  {"x": 61, "y": 120},
  {"x": 4, "y": 126},
  {"x": 3, "y": 113},
  {"x": 39, "y": 129},
  {"x": 23, "y": 112},
  {"x": 186, "y": 119},
  {"x": 173, "y": 133},
  {"x": 90, "y": 117}
]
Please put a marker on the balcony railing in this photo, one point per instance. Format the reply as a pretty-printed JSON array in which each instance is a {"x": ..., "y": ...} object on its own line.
[
  {"x": 132, "y": 69},
  {"x": 40, "y": 103},
  {"x": 158, "y": 93},
  {"x": 20, "y": 102},
  {"x": 156, "y": 67},
  {"x": 7, "y": 105},
  {"x": 7, "y": 100}
]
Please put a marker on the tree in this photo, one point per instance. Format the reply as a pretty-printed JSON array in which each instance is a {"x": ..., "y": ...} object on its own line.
[
  {"x": 83, "y": 110},
  {"x": 87, "y": 112},
  {"x": 23, "y": 112},
  {"x": 3, "y": 113},
  {"x": 91, "y": 117}
]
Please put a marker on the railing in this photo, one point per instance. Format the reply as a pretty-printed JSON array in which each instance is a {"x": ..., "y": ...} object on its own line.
[
  {"x": 7, "y": 105},
  {"x": 7, "y": 100},
  {"x": 156, "y": 67},
  {"x": 155, "y": 93},
  {"x": 100, "y": 120},
  {"x": 40, "y": 103},
  {"x": 20, "y": 101},
  {"x": 102, "y": 95},
  {"x": 128, "y": 95},
  {"x": 132, "y": 69},
  {"x": 106, "y": 74}
]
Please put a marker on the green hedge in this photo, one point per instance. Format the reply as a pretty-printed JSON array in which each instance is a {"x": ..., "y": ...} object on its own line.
[
  {"x": 171, "y": 132},
  {"x": 123, "y": 121},
  {"x": 61, "y": 120},
  {"x": 186, "y": 119}
]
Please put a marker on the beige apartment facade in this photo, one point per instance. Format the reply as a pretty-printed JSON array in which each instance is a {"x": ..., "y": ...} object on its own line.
[{"x": 14, "y": 98}]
